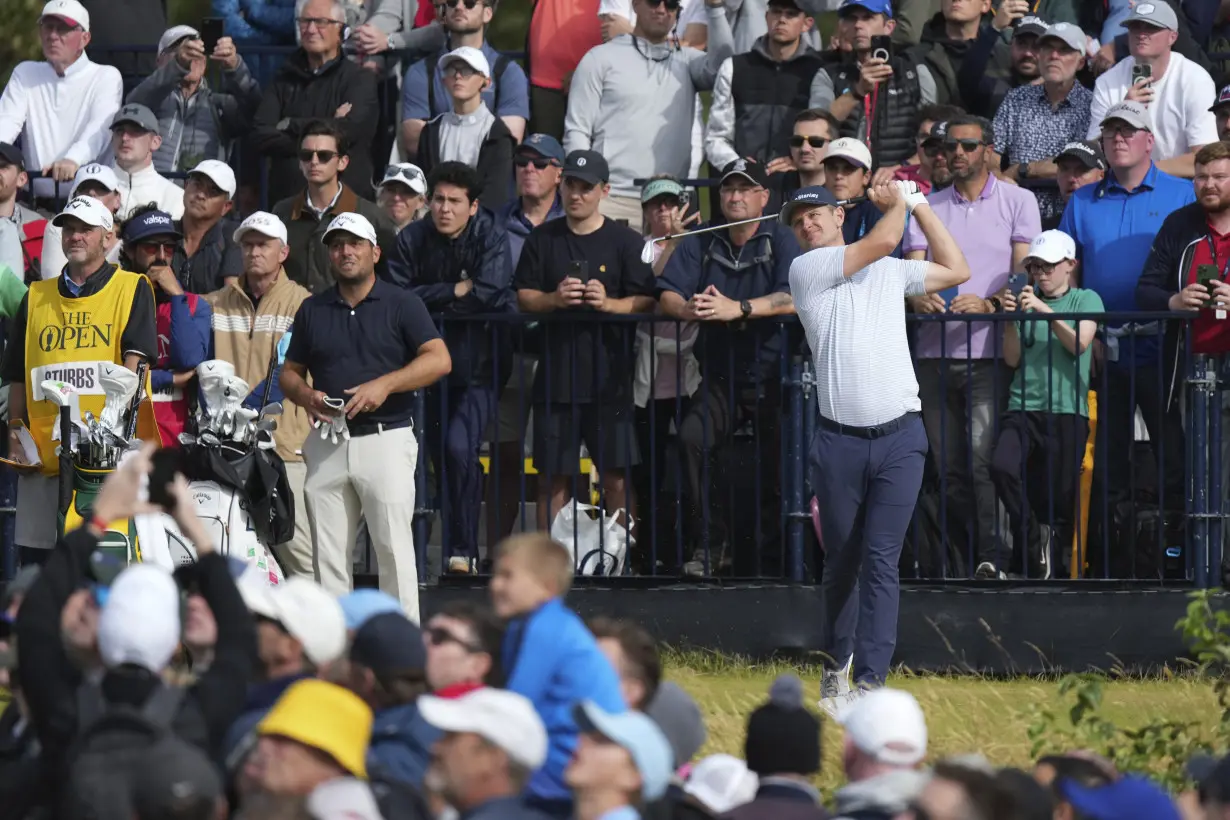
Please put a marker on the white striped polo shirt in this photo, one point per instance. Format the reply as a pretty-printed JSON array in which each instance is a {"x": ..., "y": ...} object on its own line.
[{"x": 856, "y": 329}]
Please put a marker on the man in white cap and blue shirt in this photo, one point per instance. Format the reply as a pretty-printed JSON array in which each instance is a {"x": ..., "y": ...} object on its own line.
[
  {"x": 884, "y": 745},
  {"x": 867, "y": 455},
  {"x": 621, "y": 761},
  {"x": 366, "y": 346}
]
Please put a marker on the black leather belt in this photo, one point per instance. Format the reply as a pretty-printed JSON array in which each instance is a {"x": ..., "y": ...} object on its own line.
[
  {"x": 367, "y": 428},
  {"x": 878, "y": 431}
]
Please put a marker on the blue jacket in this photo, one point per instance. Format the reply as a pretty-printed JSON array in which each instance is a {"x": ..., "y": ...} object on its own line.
[
  {"x": 513, "y": 220},
  {"x": 552, "y": 659},
  {"x": 400, "y": 747},
  {"x": 259, "y": 22},
  {"x": 190, "y": 342},
  {"x": 503, "y": 808},
  {"x": 261, "y": 697}
]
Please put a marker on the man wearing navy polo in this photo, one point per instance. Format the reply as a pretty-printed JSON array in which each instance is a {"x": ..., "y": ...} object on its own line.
[{"x": 366, "y": 344}]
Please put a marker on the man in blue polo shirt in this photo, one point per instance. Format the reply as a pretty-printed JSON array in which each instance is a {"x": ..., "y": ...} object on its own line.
[
  {"x": 367, "y": 345},
  {"x": 723, "y": 279},
  {"x": 1113, "y": 223}
]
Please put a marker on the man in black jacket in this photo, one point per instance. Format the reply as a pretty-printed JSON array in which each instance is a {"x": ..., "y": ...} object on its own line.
[
  {"x": 317, "y": 81},
  {"x": 457, "y": 262}
]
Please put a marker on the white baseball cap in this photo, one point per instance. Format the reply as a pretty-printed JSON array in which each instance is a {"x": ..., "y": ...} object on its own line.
[
  {"x": 95, "y": 172},
  {"x": 469, "y": 55},
  {"x": 262, "y": 222},
  {"x": 888, "y": 725},
  {"x": 304, "y": 609},
  {"x": 1052, "y": 247},
  {"x": 87, "y": 209},
  {"x": 502, "y": 718},
  {"x": 351, "y": 223},
  {"x": 851, "y": 149},
  {"x": 219, "y": 173},
  {"x": 70, "y": 11},
  {"x": 174, "y": 34},
  {"x": 722, "y": 782},
  {"x": 405, "y": 173}
]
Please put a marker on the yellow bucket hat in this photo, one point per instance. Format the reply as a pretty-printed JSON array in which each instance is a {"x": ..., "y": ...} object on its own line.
[{"x": 325, "y": 717}]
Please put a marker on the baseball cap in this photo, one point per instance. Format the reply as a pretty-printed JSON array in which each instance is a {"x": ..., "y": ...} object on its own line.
[
  {"x": 1128, "y": 798},
  {"x": 1052, "y": 247},
  {"x": 639, "y": 735},
  {"x": 95, "y": 172},
  {"x": 143, "y": 594},
  {"x": 138, "y": 115},
  {"x": 884, "y": 7},
  {"x": 1030, "y": 24},
  {"x": 178, "y": 776},
  {"x": 849, "y": 148},
  {"x": 1157, "y": 13},
  {"x": 1072, "y": 36},
  {"x": 587, "y": 166},
  {"x": 939, "y": 130},
  {"x": 150, "y": 223},
  {"x": 810, "y": 197},
  {"x": 1222, "y": 98},
  {"x": 9, "y": 155},
  {"x": 70, "y": 11},
  {"x": 1133, "y": 113},
  {"x": 219, "y": 173},
  {"x": 408, "y": 174},
  {"x": 351, "y": 223},
  {"x": 362, "y": 604},
  {"x": 888, "y": 725},
  {"x": 389, "y": 644},
  {"x": 545, "y": 145},
  {"x": 304, "y": 609},
  {"x": 502, "y": 718},
  {"x": 722, "y": 782},
  {"x": 87, "y": 209},
  {"x": 749, "y": 169},
  {"x": 174, "y": 34},
  {"x": 679, "y": 718},
  {"x": 325, "y": 717},
  {"x": 661, "y": 187},
  {"x": 1087, "y": 151},
  {"x": 262, "y": 222},
  {"x": 469, "y": 55}
]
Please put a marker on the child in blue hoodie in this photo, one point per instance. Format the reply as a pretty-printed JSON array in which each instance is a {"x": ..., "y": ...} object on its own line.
[{"x": 548, "y": 655}]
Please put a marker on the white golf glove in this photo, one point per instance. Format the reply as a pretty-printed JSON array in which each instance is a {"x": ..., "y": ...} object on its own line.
[
  {"x": 337, "y": 426},
  {"x": 912, "y": 195}
]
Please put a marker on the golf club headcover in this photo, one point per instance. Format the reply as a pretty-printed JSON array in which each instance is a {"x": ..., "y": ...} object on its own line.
[
  {"x": 119, "y": 385},
  {"x": 211, "y": 380}
]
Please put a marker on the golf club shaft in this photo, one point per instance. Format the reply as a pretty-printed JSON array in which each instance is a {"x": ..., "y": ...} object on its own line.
[{"x": 722, "y": 225}]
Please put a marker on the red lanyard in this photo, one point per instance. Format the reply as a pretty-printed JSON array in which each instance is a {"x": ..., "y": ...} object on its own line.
[{"x": 869, "y": 111}]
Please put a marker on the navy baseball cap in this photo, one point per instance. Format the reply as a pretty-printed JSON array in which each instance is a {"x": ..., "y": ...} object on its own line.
[
  {"x": 1129, "y": 798},
  {"x": 389, "y": 644},
  {"x": 9, "y": 155},
  {"x": 884, "y": 7},
  {"x": 150, "y": 223},
  {"x": 587, "y": 166},
  {"x": 810, "y": 197},
  {"x": 544, "y": 145}
]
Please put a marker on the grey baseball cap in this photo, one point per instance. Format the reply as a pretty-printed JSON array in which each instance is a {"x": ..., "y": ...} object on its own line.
[
  {"x": 1070, "y": 35},
  {"x": 1133, "y": 113},
  {"x": 1156, "y": 13},
  {"x": 138, "y": 115}
]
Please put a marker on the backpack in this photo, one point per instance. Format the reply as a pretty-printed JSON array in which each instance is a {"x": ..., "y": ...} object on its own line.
[
  {"x": 112, "y": 742},
  {"x": 497, "y": 73},
  {"x": 32, "y": 249}
]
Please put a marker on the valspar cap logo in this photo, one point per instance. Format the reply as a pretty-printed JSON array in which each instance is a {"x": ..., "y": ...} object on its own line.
[{"x": 78, "y": 332}]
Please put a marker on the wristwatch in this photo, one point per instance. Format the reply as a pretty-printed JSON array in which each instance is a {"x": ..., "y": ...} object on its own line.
[
  {"x": 745, "y": 307},
  {"x": 1022, "y": 172},
  {"x": 996, "y": 305}
]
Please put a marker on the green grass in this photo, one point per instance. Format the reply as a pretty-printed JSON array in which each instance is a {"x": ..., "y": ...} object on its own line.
[{"x": 964, "y": 713}]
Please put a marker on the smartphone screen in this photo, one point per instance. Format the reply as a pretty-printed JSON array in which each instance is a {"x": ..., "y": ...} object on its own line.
[
  {"x": 212, "y": 30},
  {"x": 166, "y": 463}
]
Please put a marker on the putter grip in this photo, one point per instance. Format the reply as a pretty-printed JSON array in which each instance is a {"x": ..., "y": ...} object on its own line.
[{"x": 130, "y": 427}]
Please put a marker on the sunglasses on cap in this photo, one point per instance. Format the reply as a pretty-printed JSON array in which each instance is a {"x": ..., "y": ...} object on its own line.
[
  {"x": 815, "y": 142},
  {"x": 396, "y": 173},
  {"x": 439, "y": 636},
  {"x": 540, "y": 163},
  {"x": 968, "y": 146},
  {"x": 321, "y": 156}
]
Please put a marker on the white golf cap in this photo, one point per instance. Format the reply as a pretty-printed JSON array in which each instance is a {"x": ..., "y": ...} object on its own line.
[
  {"x": 887, "y": 725},
  {"x": 304, "y": 609},
  {"x": 351, "y": 223},
  {"x": 502, "y": 718},
  {"x": 95, "y": 172},
  {"x": 722, "y": 782},
  {"x": 1052, "y": 247},
  {"x": 1131, "y": 112},
  {"x": 471, "y": 56},
  {"x": 88, "y": 210},
  {"x": 174, "y": 34},
  {"x": 68, "y": 10},
  {"x": 850, "y": 149},
  {"x": 408, "y": 174},
  {"x": 262, "y": 222},
  {"x": 219, "y": 174}
]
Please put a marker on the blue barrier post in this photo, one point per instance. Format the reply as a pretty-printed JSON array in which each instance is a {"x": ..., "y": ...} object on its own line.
[
  {"x": 423, "y": 511},
  {"x": 1203, "y": 382},
  {"x": 798, "y": 513}
]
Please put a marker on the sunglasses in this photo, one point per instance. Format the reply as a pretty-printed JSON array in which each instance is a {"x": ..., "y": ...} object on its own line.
[
  {"x": 671, "y": 5},
  {"x": 932, "y": 149},
  {"x": 323, "y": 157},
  {"x": 151, "y": 245},
  {"x": 396, "y": 173},
  {"x": 452, "y": 4},
  {"x": 968, "y": 146},
  {"x": 541, "y": 163},
  {"x": 814, "y": 142},
  {"x": 439, "y": 636}
]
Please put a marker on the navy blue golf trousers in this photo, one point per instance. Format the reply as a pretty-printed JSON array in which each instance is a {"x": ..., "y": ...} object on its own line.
[{"x": 454, "y": 455}]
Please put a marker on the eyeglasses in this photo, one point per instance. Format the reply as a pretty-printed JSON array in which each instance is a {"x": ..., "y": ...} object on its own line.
[
  {"x": 1036, "y": 268},
  {"x": 323, "y": 157},
  {"x": 815, "y": 142},
  {"x": 1126, "y": 131},
  {"x": 541, "y": 163},
  {"x": 439, "y": 636},
  {"x": 459, "y": 69},
  {"x": 320, "y": 22},
  {"x": 153, "y": 245},
  {"x": 968, "y": 146},
  {"x": 671, "y": 5}
]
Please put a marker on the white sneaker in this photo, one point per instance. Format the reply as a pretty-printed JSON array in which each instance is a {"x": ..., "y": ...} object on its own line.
[
  {"x": 460, "y": 565},
  {"x": 986, "y": 571},
  {"x": 835, "y": 689}
]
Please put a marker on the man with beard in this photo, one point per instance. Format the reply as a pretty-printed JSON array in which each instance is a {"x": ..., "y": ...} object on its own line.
[
  {"x": 1077, "y": 165},
  {"x": 150, "y": 239},
  {"x": 1221, "y": 111},
  {"x": 919, "y": 168},
  {"x": 932, "y": 159},
  {"x": 813, "y": 130},
  {"x": 984, "y": 84}
]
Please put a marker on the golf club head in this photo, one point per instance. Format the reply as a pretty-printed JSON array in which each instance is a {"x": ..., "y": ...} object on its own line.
[
  {"x": 271, "y": 409},
  {"x": 186, "y": 439},
  {"x": 647, "y": 252},
  {"x": 209, "y": 439}
]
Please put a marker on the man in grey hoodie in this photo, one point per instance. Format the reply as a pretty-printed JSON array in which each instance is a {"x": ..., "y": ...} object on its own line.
[{"x": 885, "y": 742}]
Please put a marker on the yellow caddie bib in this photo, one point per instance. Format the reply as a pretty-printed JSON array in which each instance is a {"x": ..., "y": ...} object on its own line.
[{"x": 68, "y": 339}]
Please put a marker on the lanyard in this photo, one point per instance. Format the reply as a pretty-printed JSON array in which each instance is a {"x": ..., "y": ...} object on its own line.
[{"x": 1213, "y": 253}]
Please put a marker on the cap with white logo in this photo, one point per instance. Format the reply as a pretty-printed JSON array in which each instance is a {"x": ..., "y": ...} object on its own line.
[
  {"x": 1029, "y": 24},
  {"x": 1052, "y": 247},
  {"x": 264, "y": 223},
  {"x": 1222, "y": 98},
  {"x": 70, "y": 11},
  {"x": 1070, "y": 35},
  {"x": 355, "y": 224},
  {"x": 1156, "y": 13},
  {"x": 850, "y": 149},
  {"x": 95, "y": 172},
  {"x": 1131, "y": 112},
  {"x": 174, "y": 34},
  {"x": 86, "y": 209},
  {"x": 469, "y": 55},
  {"x": 219, "y": 173}
]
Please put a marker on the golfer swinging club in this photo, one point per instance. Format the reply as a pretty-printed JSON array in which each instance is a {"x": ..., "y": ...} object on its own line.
[{"x": 867, "y": 456}]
